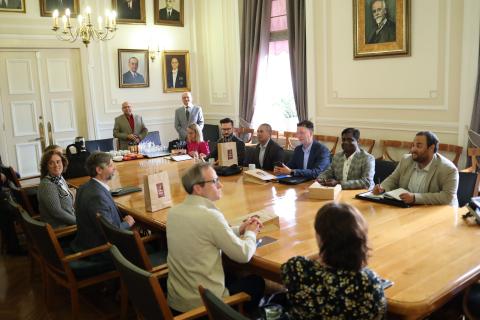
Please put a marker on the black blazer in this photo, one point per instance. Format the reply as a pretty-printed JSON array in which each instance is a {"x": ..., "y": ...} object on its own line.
[
  {"x": 273, "y": 153},
  {"x": 318, "y": 160},
  {"x": 93, "y": 198}
]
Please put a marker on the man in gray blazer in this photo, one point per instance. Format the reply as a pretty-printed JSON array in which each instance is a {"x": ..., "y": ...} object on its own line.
[
  {"x": 186, "y": 115},
  {"x": 352, "y": 168},
  {"x": 129, "y": 127},
  {"x": 429, "y": 177}
]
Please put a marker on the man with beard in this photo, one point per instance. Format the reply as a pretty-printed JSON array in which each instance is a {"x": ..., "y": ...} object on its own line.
[
  {"x": 94, "y": 197},
  {"x": 429, "y": 177},
  {"x": 385, "y": 28}
]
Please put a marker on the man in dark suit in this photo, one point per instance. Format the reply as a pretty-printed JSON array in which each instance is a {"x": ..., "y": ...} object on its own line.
[
  {"x": 11, "y": 4},
  {"x": 128, "y": 9},
  {"x": 61, "y": 5},
  {"x": 226, "y": 127},
  {"x": 267, "y": 152},
  {"x": 175, "y": 77},
  {"x": 386, "y": 29},
  {"x": 169, "y": 13},
  {"x": 132, "y": 76},
  {"x": 310, "y": 158},
  {"x": 94, "y": 197}
]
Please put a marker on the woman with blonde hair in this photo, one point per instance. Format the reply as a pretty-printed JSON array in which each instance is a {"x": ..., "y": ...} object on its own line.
[{"x": 196, "y": 147}]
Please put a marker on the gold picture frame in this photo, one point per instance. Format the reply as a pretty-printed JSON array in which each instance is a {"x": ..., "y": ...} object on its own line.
[
  {"x": 130, "y": 15},
  {"x": 17, "y": 6},
  {"x": 182, "y": 64},
  {"x": 130, "y": 76},
  {"x": 381, "y": 28},
  {"x": 163, "y": 16},
  {"x": 47, "y": 7}
]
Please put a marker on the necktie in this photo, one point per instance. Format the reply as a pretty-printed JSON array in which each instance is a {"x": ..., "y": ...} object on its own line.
[
  {"x": 187, "y": 114},
  {"x": 4, "y": 4}
]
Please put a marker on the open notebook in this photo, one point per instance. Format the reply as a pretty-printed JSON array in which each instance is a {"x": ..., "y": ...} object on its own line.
[{"x": 391, "y": 197}]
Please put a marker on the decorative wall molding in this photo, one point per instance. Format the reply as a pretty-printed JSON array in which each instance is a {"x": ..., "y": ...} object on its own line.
[
  {"x": 28, "y": 156},
  {"x": 55, "y": 68},
  {"x": 20, "y": 120},
  {"x": 13, "y": 74},
  {"x": 63, "y": 115}
]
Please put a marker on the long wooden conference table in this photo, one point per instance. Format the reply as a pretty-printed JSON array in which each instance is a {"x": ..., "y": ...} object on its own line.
[{"x": 427, "y": 251}]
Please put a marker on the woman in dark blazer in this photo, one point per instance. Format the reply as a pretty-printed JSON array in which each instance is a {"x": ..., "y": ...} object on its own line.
[{"x": 54, "y": 198}]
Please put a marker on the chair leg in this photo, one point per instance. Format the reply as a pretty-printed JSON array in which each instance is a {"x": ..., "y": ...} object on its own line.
[
  {"x": 74, "y": 301},
  {"x": 47, "y": 289},
  {"x": 123, "y": 301}
]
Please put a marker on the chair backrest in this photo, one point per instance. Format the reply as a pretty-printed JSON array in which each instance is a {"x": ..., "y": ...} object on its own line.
[
  {"x": 216, "y": 308},
  {"x": 99, "y": 145},
  {"x": 288, "y": 139},
  {"x": 287, "y": 156},
  {"x": 211, "y": 132},
  {"x": 393, "y": 144},
  {"x": 474, "y": 153},
  {"x": 383, "y": 169},
  {"x": 153, "y": 136},
  {"x": 443, "y": 147},
  {"x": 367, "y": 144},
  {"x": 21, "y": 197},
  {"x": 331, "y": 139},
  {"x": 45, "y": 242},
  {"x": 467, "y": 187},
  {"x": 244, "y": 134},
  {"x": 143, "y": 288},
  {"x": 128, "y": 242},
  {"x": 275, "y": 135}
]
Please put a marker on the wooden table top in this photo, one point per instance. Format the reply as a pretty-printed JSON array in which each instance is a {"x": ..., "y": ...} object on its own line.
[{"x": 427, "y": 251}]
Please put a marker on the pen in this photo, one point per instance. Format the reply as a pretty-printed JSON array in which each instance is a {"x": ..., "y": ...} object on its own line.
[{"x": 259, "y": 241}]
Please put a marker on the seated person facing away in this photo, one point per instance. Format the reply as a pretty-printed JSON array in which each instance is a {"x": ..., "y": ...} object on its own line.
[
  {"x": 337, "y": 285},
  {"x": 94, "y": 197},
  {"x": 310, "y": 158},
  {"x": 55, "y": 201},
  {"x": 429, "y": 177},
  {"x": 352, "y": 168},
  {"x": 197, "y": 235},
  {"x": 267, "y": 152},
  {"x": 196, "y": 147},
  {"x": 129, "y": 128},
  {"x": 226, "y": 126}
]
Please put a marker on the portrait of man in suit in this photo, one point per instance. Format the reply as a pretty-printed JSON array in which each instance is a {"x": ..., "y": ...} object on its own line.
[
  {"x": 175, "y": 77},
  {"x": 129, "y": 10},
  {"x": 48, "y": 6},
  {"x": 384, "y": 29},
  {"x": 133, "y": 68},
  {"x": 12, "y": 5},
  {"x": 132, "y": 75},
  {"x": 176, "y": 71},
  {"x": 169, "y": 12}
]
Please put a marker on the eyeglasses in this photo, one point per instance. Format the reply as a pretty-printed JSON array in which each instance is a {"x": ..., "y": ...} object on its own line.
[
  {"x": 215, "y": 181},
  {"x": 226, "y": 129}
]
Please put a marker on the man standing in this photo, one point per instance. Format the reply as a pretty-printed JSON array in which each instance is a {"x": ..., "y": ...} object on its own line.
[
  {"x": 226, "y": 126},
  {"x": 310, "y": 158},
  {"x": 132, "y": 76},
  {"x": 353, "y": 168},
  {"x": 197, "y": 235},
  {"x": 169, "y": 13},
  {"x": 94, "y": 197},
  {"x": 429, "y": 177},
  {"x": 186, "y": 115},
  {"x": 267, "y": 152},
  {"x": 386, "y": 29},
  {"x": 129, "y": 127},
  {"x": 175, "y": 77}
]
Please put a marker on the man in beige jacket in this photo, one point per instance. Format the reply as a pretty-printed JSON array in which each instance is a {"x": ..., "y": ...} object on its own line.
[{"x": 129, "y": 127}]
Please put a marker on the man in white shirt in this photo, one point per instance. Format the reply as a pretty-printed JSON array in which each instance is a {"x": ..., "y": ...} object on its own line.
[
  {"x": 169, "y": 13},
  {"x": 197, "y": 235},
  {"x": 186, "y": 115},
  {"x": 175, "y": 77},
  {"x": 429, "y": 177}
]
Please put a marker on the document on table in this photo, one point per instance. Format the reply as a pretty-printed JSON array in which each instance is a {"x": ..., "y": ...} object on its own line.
[
  {"x": 393, "y": 194},
  {"x": 182, "y": 157}
]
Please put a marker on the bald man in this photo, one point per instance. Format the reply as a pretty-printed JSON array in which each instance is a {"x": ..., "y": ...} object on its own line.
[{"x": 129, "y": 127}]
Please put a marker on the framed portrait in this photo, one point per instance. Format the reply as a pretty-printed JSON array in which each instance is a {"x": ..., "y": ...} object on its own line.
[
  {"x": 381, "y": 28},
  {"x": 168, "y": 12},
  {"x": 47, "y": 7},
  {"x": 133, "y": 68},
  {"x": 12, "y": 6},
  {"x": 176, "y": 71},
  {"x": 129, "y": 11}
]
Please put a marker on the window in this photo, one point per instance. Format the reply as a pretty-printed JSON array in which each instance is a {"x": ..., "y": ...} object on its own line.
[{"x": 274, "y": 102}]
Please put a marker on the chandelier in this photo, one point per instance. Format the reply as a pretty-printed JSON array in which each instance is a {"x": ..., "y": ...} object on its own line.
[{"x": 85, "y": 29}]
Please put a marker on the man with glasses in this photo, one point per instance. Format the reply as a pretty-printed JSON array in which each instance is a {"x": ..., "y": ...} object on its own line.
[
  {"x": 226, "y": 128},
  {"x": 197, "y": 235}
]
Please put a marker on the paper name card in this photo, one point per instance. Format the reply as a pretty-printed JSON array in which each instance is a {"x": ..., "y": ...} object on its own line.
[
  {"x": 257, "y": 176},
  {"x": 317, "y": 191},
  {"x": 271, "y": 222},
  {"x": 182, "y": 157}
]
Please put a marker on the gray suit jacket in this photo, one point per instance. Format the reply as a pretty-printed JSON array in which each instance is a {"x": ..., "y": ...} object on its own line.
[
  {"x": 122, "y": 129},
  {"x": 360, "y": 174},
  {"x": 441, "y": 182},
  {"x": 55, "y": 204},
  {"x": 181, "y": 121}
]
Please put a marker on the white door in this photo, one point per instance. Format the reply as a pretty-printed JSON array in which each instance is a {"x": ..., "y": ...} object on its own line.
[{"x": 42, "y": 102}]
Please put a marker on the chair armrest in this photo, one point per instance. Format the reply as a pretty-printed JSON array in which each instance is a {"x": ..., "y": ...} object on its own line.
[
  {"x": 192, "y": 314},
  {"x": 238, "y": 298},
  {"x": 150, "y": 237},
  {"x": 469, "y": 169},
  {"x": 162, "y": 273},
  {"x": 86, "y": 253},
  {"x": 159, "y": 268},
  {"x": 65, "y": 231}
]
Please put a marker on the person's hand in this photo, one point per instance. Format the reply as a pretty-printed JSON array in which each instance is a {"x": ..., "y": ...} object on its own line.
[
  {"x": 246, "y": 225},
  {"x": 378, "y": 189},
  {"x": 202, "y": 155},
  {"x": 132, "y": 137},
  {"x": 282, "y": 170},
  {"x": 3, "y": 178},
  {"x": 330, "y": 183},
  {"x": 408, "y": 198},
  {"x": 129, "y": 219}
]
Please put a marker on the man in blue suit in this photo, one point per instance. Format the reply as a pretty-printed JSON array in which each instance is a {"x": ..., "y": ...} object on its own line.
[
  {"x": 132, "y": 76},
  {"x": 309, "y": 159},
  {"x": 94, "y": 197}
]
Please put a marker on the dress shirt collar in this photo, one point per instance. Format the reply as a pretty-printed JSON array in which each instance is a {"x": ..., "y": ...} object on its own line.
[
  {"x": 351, "y": 156},
  {"x": 427, "y": 167},
  {"x": 381, "y": 25},
  {"x": 263, "y": 146},
  {"x": 102, "y": 184},
  {"x": 307, "y": 149}
]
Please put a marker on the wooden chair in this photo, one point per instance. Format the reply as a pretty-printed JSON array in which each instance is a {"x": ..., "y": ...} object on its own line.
[
  {"x": 217, "y": 309},
  {"x": 147, "y": 295},
  {"x": 244, "y": 134},
  {"x": 443, "y": 147},
  {"x": 68, "y": 271},
  {"x": 393, "y": 144},
  {"x": 132, "y": 246},
  {"x": 473, "y": 153},
  {"x": 288, "y": 139},
  {"x": 331, "y": 139},
  {"x": 275, "y": 135},
  {"x": 367, "y": 144},
  {"x": 471, "y": 299},
  {"x": 468, "y": 183}
]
